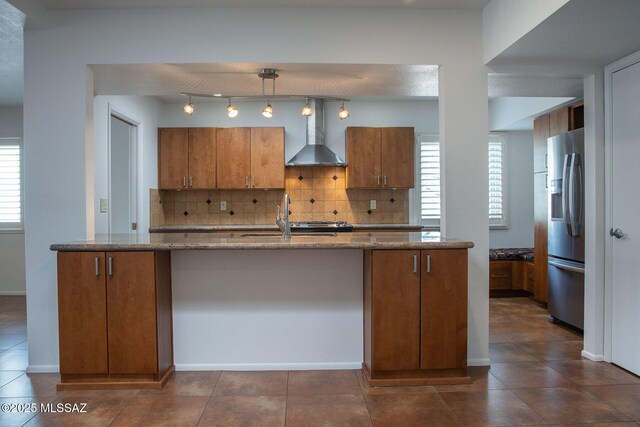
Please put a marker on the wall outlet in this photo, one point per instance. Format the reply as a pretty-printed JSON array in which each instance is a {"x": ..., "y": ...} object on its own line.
[
  {"x": 372, "y": 204},
  {"x": 223, "y": 205},
  {"x": 104, "y": 205}
]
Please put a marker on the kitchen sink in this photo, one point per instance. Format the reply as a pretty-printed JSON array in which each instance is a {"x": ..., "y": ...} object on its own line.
[{"x": 292, "y": 234}]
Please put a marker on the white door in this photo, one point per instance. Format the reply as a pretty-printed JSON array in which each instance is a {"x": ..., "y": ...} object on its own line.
[
  {"x": 625, "y": 216},
  {"x": 122, "y": 172}
]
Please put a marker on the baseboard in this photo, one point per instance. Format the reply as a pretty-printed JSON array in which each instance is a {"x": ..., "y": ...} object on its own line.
[
  {"x": 43, "y": 369},
  {"x": 265, "y": 366},
  {"x": 12, "y": 293},
  {"x": 478, "y": 362},
  {"x": 591, "y": 356}
]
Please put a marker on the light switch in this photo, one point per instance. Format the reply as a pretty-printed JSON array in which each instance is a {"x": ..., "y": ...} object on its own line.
[
  {"x": 372, "y": 204},
  {"x": 103, "y": 205},
  {"x": 223, "y": 205}
]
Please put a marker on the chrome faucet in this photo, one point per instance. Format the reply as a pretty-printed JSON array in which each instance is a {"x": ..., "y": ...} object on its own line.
[{"x": 283, "y": 223}]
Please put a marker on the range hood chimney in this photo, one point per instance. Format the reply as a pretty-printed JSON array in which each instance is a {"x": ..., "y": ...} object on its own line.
[{"x": 315, "y": 153}]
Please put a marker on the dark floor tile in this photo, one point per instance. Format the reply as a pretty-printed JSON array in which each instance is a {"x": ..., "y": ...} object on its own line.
[
  {"x": 31, "y": 385},
  {"x": 14, "y": 360},
  {"x": 20, "y": 410},
  {"x": 328, "y": 410},
  {"x": 199, "y": 383},
  {"x": 262, "y": 383},
  {"x": 528, "y": 375},
  {"x": 245, "y": 411},
  {"x": 509, "y": 352},
  {"x": 481, "y": 379},
  {"x": 391, "y": 390},
  {"x": 323, "y": 382},
  {"x": 8, "y": 341},
  {"x": 491, "y": 408},
  {"x": 625, "y": 398},
  {"x": 568, "y": 406},
  {"x": 587, "y": 372},
  {"x": 410, "y": 410},
  {"x": 154, "y": 411},
  {"x": 556, "y": 350},
  {"x": 99, "y": 412}
]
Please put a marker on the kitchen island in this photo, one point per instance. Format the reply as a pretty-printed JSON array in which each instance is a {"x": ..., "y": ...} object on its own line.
[{"x": 132, "y": 306}]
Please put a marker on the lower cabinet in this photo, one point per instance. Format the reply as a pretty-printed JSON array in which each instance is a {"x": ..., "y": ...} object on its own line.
[
  {"x": 114, "y": 319},
  {"x": 415, "y": 317}
]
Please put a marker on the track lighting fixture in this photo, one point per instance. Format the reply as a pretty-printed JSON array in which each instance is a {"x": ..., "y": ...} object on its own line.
[
  {"x": 232, "y": 111},
  {"x": 343, "y": 113},
  {"x": 188, "y": 107},
  {"x": 268, "y": 110},
  {"x": 306, "y": 110}
]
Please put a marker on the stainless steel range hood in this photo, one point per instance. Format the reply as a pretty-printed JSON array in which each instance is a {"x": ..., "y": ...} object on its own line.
[{"x": 315, "y": 153}]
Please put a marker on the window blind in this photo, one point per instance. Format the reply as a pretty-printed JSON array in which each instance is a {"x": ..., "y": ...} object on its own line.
[
  {"x": 496, "y": 181},
  {"x": 10, "y": 184},
  {"x": 430, "y": 180}
]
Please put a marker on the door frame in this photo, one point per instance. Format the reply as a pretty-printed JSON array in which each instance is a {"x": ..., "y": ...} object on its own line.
[
  {"x": 609, "y": 70},
  {"x": 134, "y": 156}
]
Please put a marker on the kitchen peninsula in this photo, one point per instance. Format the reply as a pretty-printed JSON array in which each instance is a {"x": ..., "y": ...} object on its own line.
[{"x": 129, "y": 305}]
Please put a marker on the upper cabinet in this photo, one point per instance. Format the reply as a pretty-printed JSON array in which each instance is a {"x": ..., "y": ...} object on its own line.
[
  {"x": 186, "y": 158},
  {"x": 251, "y": 158},
  {"x": 552, "y": 124},
  {"x": 380, "y": 157},
  {"x": 225, "y": 158}
]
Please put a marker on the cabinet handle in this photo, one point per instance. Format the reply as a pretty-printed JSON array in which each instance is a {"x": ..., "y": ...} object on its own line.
[
  {"x": 378, "y": 180},
  {"x": 190, "y": 181},
  {"x": 546, "y": 180},
  {"x": 253, "y": 181},
  {"x": 246, "y": 181},
  {"x": 184, "y": 181},
  {"x": 384, "y": 180},
  {"x": 415, "y": 263},
  {"x": 97, "y": 266},
  {"x": 500, "y": 276},
  {"x": 546, "y": 159},
  {"x": 428, "y": 263},
  {"x": 110, "y": 267}
]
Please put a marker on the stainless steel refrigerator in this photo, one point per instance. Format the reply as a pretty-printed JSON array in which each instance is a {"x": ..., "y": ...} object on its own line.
[{"x": 566, "y": 227}]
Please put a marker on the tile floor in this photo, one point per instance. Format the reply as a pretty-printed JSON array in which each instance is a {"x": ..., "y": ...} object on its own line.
[{"x": 537, "y": 378}]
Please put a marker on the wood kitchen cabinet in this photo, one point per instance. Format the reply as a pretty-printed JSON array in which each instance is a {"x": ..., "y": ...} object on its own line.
[
  {"x": 186, "y": 158},
  {"x": 540, "y": 237},
  {"x": 415, "y": 324},
  {"x": 380, "y": 157},
  {"x": 114, "y": 319},
  {"x": 250, "y": 158}
]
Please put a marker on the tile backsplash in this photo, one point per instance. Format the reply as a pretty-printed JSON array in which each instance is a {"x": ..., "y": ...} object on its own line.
[{"x": 317, "y": 194}]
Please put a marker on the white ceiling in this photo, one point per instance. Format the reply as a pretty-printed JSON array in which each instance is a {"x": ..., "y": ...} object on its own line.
[
  {"x": 11, "y": 55},
  {"x": 110, "y": 4}
]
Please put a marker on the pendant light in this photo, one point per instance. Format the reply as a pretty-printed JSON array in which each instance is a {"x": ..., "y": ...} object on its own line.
[
  {"x": 188, "y": 107},
  {"x": 343, "y": 113},
  {"x": 268, "y": 110},
  {"x": 306, "y": 110},
  {"x": 232, "y": 111}
]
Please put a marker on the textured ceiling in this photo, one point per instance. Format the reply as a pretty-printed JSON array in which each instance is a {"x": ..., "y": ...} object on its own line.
[
  {"x": 11, "y": 54},
  {"x": 108, "y": 4}
]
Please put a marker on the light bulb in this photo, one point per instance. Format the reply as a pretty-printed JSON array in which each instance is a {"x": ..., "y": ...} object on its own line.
[
  {"x": 306, "y": 110},
  {"x": 232, "y": 111},
  {"x": 268, "y": 111},
  {"x": 188, "y": 108},
  {"x": 343, "y": 113}
]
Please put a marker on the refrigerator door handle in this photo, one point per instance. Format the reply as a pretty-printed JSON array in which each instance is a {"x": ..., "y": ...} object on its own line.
[
  {"x": 576, "y": 194},
  {"x": 566, "y": 209},
  {"x": 566, "y": 266}
]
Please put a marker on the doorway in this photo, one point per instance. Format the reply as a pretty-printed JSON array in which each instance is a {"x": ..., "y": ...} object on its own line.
[{"x": 123, "y": 176}]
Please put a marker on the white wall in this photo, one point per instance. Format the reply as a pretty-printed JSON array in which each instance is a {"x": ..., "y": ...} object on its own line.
[
  {"x": 12, "y": 274},
  {"x": 519, "y": 170},
  {"x": 145, "y": 111},
  {"x": 422, "y": 115},
  {"x": 59, "y": 114}
]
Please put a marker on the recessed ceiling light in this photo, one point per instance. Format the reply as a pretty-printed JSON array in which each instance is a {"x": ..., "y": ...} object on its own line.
[{"x": 217, "y": 94}]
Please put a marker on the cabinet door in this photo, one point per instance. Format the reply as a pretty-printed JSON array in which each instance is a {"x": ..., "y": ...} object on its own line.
[
  {"x": 540, "y": 243},
  {"x": 267, "y": 157},
  {"x": 540, "y": 135},
  {"x": 364, "y": 153},
  {"x": 233, "y": 157},
  {"x": 395, "y": 310},
  {"x": 173, "y": 158},
  {"x": 82, "y": 313},
  {"x": 500, "y": 275},
  {"x": 559, "y": 121},
  {"x": 398, "y": 150},
  {"x": 202, "y": 158},
  {"x": 131, "y": 313},
  {"x": 444, "y": 309}
]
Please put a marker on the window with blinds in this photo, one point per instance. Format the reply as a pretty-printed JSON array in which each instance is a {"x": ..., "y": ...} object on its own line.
[
  {"x": 497, "y": 190},
  {"x": 429, "y": 180},
  {"x": 10, "y": 184}
]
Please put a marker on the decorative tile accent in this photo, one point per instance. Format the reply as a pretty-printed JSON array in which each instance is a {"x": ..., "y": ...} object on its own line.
[
  {"x": 312, "y": 200},
  {"x": 334, "y": 177},
  {"x": 185, "y": 213},
  {"x": 392, "y": 200},
  {"x": 290, "y": 212},
  {"x": 335, "y": 212},
  {"x": 300, "y": 177},
  {"x": 254, "y": 201},
  {"x": 369, "y": 211},
  {"x": 231, "y": 213},
  {"x": 208, "y": 201}
]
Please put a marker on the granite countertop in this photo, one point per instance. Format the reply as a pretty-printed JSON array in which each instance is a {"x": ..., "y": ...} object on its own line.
[
  {"x": 511, "y": 254},
  {"x": 232, "y": 228},
  {"x": 201, "y": 241}
]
